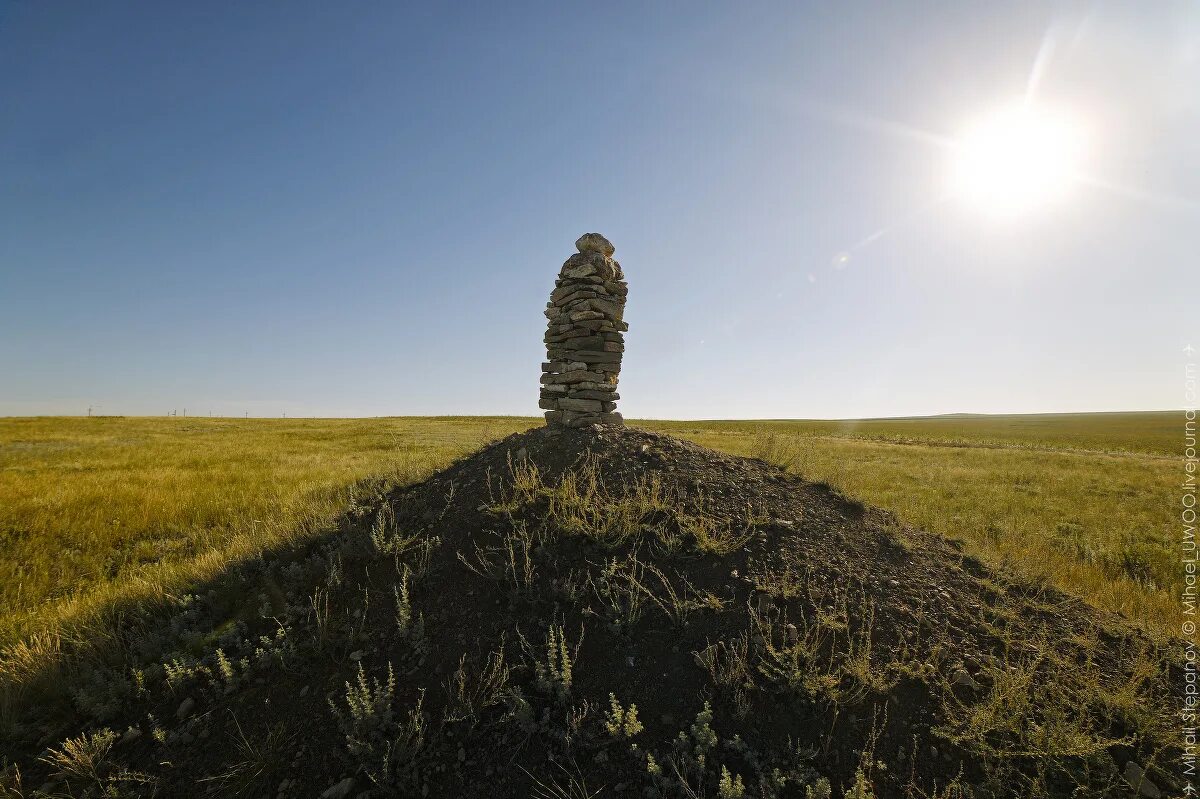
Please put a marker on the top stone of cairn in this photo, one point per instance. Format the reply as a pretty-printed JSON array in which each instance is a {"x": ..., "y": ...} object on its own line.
[{"x": 594, "y": 242}]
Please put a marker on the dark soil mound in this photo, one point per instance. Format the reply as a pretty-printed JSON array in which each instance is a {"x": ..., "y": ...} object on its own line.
[{"x": 616, "y": 613}]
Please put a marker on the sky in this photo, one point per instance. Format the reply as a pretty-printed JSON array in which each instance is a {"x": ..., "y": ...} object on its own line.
[{"x": 328, "y": 209}]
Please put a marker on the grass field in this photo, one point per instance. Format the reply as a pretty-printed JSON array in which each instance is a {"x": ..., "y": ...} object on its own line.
[{"x": 104, "y": 509}]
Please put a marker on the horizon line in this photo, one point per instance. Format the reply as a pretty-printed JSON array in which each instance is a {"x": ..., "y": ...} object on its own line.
[{"x": 949, "y": 415}]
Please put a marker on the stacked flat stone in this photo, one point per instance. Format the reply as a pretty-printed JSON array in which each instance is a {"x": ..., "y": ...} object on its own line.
[{"x": 584, "y": 339}]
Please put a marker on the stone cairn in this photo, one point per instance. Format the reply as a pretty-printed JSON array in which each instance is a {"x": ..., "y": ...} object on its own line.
[{"x": 584, "y": 340}]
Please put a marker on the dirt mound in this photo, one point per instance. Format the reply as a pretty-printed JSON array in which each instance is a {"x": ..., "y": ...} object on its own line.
[{"x": 611, "y": 612}]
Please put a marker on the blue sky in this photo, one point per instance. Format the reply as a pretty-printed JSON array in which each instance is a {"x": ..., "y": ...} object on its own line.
[{"x": 360, "y": 209}]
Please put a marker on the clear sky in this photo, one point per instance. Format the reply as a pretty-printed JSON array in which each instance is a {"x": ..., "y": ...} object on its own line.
[{"x": 358, "y": 209}]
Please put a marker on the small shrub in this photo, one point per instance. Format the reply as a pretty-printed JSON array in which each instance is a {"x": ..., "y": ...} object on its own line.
[
  {"x": 821, "y": 789},
  {"x": 861, "y": 789},
  {"x": 181, "y": 670},
  {"x": 368, "y": 707},
  {"x": 517, "y": 708},
  {"x": 386, "y": 748},
  {"x": 703, "y": 736},
  {"x": 619, "y": 722},
  {"x": 225, "y": 670},
  {"x": 730, "y": 786},
  {"x": 554, "y": 669},
  {"x": 621, "y": 593}
]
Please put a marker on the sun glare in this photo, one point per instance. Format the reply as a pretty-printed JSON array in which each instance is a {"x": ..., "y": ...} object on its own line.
[{"x": 1016, "y": 160}]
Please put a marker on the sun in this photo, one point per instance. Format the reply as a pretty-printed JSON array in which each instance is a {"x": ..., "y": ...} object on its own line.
[{"x": 1016, "y": 160}]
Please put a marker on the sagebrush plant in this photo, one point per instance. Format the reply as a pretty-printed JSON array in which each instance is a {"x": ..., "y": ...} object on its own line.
[
  {"x": 553, "y": 662},
  {"x": 369, "y": 711},
  {"x": 181, "y": 670},
  {"x": 621, "y": 722},
  {"x": 730, "y": 786},
  {"x": 861, "y": 787},
  {"x": 517, "y": 708},
  {"x": 686, "y": 768},
  {"x": 713, "y": 535},
  {"x": 678, "y": 604},
  {"x": 867, "y": 673},
  {"x": 555, "y": 673},
  {"x": 409, "y": 624},
  {"x": 157, "y": 732},
  {"x": 524, "y": 487},
  {"x": 618, "y": 587},
  {"x": 384, "y": 536},
  {"x": 418, "y": 557},
  {"x": 821, "y": 789},
  {"x": 102, "y": 692},
  {"x": 412, "y": 550},
  {"x": 703, "y": 736},
  {"x": 385, "y": 746},
  {"x": 693, "y": 767},
  {"x": 581, "y": 504},
  {"x": 225, "y": 670}
]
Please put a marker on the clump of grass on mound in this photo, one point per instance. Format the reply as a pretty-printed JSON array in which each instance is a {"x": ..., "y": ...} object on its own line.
[
  {"x": 620, "y": 614},
  {"x": 639, "y": 511}
]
